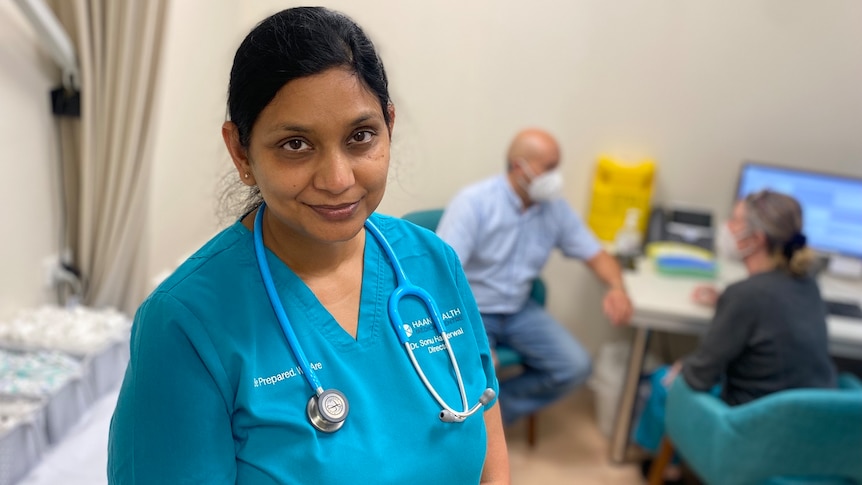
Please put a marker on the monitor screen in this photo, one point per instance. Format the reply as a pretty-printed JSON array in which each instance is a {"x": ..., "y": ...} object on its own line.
[{"x": 831, "y": 204}]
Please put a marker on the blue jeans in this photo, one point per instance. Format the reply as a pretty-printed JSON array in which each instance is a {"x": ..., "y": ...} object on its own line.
[{"x": 554, "y": 362}]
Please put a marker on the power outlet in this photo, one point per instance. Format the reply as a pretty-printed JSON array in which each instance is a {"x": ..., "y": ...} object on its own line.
[{"x": 49, "y": 270}]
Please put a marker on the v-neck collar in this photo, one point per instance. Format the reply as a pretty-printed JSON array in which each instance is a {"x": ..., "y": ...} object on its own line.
[{"x": 309, "y": 315}]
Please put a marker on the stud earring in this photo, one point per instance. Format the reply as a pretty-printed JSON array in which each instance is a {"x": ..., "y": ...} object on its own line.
[{"x": 246, "y": 175}]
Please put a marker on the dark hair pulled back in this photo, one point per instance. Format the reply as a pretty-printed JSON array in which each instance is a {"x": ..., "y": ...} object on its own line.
[{"x": 296, "y": 43}]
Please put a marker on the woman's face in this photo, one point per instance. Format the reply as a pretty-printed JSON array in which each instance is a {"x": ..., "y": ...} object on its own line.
[
  {"x": 319, "y": 152},
  {"x": 747, "y": 240},
  {"x": 737, "y": 220}
]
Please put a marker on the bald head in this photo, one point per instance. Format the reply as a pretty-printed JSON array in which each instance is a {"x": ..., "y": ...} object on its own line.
[
  {"x": 535, "y": 147},
  {"x": 533, "y": 152}
]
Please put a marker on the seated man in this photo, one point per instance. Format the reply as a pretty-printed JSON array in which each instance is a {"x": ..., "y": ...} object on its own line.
[{"x": 504, "y": 229}]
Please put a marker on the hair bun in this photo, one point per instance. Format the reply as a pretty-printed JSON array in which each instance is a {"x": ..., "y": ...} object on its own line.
[{"x": 795, "y": 243}]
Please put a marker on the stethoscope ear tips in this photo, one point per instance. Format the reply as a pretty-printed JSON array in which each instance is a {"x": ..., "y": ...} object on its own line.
[
  {"x": 487, "y": 396},
  {"x": 447, "y": 416},
  {"x": 327, "y": 411}
]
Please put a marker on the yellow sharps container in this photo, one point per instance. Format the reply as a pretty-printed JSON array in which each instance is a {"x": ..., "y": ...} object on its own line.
[{"x": 617, "y": 187}]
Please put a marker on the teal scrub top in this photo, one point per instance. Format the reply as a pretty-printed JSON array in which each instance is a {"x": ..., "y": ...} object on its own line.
[{"x": 213, "y": 393}]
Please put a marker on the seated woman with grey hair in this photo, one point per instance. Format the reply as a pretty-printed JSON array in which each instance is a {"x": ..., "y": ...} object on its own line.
[{"x": 768, "y": 332}]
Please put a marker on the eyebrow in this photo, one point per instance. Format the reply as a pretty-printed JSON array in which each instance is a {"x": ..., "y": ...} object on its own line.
[{"x": 363, "y": 118}]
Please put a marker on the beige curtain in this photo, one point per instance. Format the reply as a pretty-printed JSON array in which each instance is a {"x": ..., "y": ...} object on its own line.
[{"x": 106, "y": 152}]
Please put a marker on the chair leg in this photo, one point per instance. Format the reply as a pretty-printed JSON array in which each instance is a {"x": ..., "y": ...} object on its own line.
[
  {"x": 531, "y": 430},
  {"x": 656, "y": 471}
]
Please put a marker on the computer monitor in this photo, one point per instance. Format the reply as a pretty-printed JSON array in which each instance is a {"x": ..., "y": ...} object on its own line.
[{"x": 831, "y": 204}]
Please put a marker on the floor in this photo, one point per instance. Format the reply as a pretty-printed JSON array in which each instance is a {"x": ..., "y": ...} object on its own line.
[{"x": 570, "y": 449}]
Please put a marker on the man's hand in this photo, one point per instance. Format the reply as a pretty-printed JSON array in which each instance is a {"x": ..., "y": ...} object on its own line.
[{"x": 617, "y": 306}]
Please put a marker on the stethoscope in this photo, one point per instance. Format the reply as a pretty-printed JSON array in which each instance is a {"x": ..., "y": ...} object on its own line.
[{"x": 327, "y": 409}]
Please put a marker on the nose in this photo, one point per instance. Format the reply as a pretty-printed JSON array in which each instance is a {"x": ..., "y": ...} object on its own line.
[{"x": 335, "y": 173}]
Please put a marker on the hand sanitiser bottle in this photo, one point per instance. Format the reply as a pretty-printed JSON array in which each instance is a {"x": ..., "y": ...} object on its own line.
[{"x": 628, "y": 240}]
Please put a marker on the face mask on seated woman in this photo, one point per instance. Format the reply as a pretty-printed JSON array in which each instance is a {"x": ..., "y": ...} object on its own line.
[{"x": 727, "y": 244}]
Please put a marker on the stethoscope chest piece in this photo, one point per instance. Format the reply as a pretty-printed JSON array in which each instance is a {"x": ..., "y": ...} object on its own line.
[{"x": 327, "y": 411}]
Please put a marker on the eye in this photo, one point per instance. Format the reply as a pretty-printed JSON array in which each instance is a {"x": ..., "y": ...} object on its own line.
[
  {"x": 362, "y": 136},
  {"x": 296, "y": 145}
]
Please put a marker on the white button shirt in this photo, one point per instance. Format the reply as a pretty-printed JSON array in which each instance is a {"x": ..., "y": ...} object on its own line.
[{"x": 503, "y": 247}]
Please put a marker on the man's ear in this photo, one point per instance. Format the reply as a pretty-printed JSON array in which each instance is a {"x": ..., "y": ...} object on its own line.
[
  {"x": 518, "y": 163},
  {"x": 238, "y": 153}
]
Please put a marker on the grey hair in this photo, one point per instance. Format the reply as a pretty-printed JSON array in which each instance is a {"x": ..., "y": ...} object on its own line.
[{"x": 779, "y": 217}]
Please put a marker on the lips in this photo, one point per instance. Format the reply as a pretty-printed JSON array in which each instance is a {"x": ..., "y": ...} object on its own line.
[{"x": 336, "y": 212}]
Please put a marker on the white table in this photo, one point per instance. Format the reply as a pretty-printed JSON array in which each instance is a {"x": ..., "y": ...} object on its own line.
[{"x": 664, "y": 303}]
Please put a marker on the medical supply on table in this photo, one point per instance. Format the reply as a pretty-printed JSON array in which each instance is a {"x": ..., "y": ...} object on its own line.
[
  {"x": 680, "y": 259},
  {"x": 14, "y": 410},
  {"x": 98, "y": 338},
  {"x": 682, "y": 223},
  {"x": 77, "y": 331},
  {"x": 328, "y": 408},
  {"x": 35, "y": 374},
  {"x": 617, "y": 188},
  {"x": 23, "y": 436},
  {"x": 629, "y": 239}
]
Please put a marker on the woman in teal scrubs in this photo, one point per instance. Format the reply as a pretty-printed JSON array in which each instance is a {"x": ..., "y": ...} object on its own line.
[{"x": 214, "y": 393}]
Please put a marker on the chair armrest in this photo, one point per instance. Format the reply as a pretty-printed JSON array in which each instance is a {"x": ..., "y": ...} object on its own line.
[
  {"x": 506, "y": 357},
  {"x": 695, "y": 422}
]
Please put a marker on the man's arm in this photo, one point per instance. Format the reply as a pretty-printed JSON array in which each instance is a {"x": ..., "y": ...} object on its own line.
[
  {"x": 577, "y": 241},
  {"x": 616, "y": 303}
]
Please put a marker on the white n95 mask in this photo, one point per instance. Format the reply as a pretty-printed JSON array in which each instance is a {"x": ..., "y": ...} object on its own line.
[
  {"x": 726, "y": 244},
  {"x": 545, "y": 187}
]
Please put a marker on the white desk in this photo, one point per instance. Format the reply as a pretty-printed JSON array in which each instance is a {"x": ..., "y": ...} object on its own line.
[{"x": 664, "y": 303}]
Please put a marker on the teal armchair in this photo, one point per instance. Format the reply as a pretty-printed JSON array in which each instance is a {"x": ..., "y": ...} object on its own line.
[
  {"x": 508, "y": 360},
  {"x": 800, "y": 436},
  {"x": 429, "y": 219}
]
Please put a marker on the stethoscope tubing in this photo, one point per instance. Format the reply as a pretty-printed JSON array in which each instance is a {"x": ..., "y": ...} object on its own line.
[
  {"x": 266, "y": 275},
  {"x": 403, "y": 289}
]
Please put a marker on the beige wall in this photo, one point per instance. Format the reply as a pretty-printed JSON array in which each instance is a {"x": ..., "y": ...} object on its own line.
[
  {"x": 698, "y": 86},
  {"x": 200, "y": 38},
  {"x": 28, "y": 199}
]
